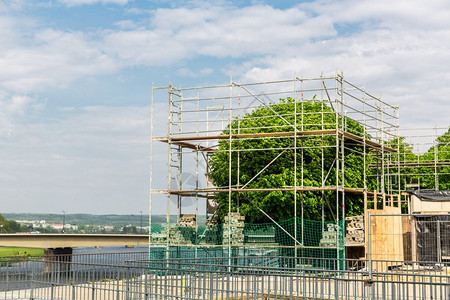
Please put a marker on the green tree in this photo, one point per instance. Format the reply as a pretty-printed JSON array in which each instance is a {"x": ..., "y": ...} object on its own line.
[
  {"x": 312, "y": 150},
  {"x": 403, "y": 162},
  {"x": 129, "y": 229},
  {"x": 441, "y": 153},
  {"x": 9, "y": 226}
]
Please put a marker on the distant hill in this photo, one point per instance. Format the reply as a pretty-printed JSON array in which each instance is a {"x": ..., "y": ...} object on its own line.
[{"x": 88, "y": 219}]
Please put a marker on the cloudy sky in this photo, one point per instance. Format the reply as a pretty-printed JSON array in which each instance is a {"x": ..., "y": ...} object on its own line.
[{"x": 76, "y": 77}]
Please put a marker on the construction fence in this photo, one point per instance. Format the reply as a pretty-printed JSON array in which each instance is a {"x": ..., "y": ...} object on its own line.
[
  {"x": 381, "y": 237},
  {"x": 223, "y": 278},
  {"x": 412, "y": 237}
]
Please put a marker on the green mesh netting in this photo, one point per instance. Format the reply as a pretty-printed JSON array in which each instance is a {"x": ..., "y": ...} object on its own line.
[{"x": 319, "y": 244}]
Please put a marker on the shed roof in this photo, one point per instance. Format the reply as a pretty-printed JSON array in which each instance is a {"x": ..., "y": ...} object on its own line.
[{"x": 427, "y": 195}]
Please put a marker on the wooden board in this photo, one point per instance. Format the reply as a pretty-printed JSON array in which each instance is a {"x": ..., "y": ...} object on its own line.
[
  {"x": 386, "y": 237},
  {"x": 347, "y": 136}
]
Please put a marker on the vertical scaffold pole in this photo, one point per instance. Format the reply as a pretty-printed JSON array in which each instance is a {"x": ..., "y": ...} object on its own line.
[
  {"x": 169, "y": 171},
  {"x": 196, "y": 177},
  {"x": 436, "y": 157},
  {"x": 230, "y": 119},
  {"x": 383, "y": 188},
  {"x": 295, "y": 169},
  {"x": 338, "y": 162},
  {"x": 398, "y": 154},
  {"x": 364, "y": 148},
  {"x": 322, "y": 158},
  {"x": 150, "y": 203},
  {"x": 340, "y": 231},
  {"x": 238, "y": 164},
  {"x": 302, "y": 181},
  {"x": 179, "y": 165}
]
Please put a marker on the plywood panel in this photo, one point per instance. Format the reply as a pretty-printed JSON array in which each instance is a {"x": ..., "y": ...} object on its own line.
[{"x": 386, "y": 236}]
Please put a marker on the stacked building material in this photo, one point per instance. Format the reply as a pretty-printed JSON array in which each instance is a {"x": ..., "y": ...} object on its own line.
[
  {"x": 212, "y": 221},
  {"x": 330, "y": 236},
  {"x": 261, "y": 236},
  {"x": 158, "y": 239},
  {"x": 233, "y": 229},
  {"x": 176, "y": 235},
  {"x": 188, "y": 220},
  {"x": 354, "y": 230}
]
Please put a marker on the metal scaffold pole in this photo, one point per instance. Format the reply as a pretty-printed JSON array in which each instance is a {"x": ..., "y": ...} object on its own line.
[{"x": 151, "y": 172}]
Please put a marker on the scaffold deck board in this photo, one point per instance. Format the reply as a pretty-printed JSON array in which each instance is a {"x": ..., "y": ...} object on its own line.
[
  {"x": 182, "y": 141},
  {"x": 239, "y": 190},
  {"x": 207, "y": 193},
  {"x": 417, "y": 164},
  {"x": 245, "y": 135}
]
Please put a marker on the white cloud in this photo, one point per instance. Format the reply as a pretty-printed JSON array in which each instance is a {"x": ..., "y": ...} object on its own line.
[
  {"x": 50, "y": 58},
  {"x": 12, "y": 109},
  {"x": 377, "y": 40},
  {"x": 126, "y": 24},
  {"x": 216, "y": 31},
  {"x": 185, "y": 72},
  {"x": 18, "y": 104},
  {"x": 90, "y": 2}
]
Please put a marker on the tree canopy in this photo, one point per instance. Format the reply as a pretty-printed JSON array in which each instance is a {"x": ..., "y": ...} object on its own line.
[
  {"x": 311, "y": 153},
  {"x": 8, "y": 226},
  {"x": 442, "y": 152}
]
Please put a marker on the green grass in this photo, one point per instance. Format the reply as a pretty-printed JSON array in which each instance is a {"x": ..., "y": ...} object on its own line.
[{"x": 19, "y": 251}]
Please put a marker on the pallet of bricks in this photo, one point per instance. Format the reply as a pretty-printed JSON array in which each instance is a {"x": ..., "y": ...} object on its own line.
[
  {"x": 354, "y": 230},
  {"x": 174, "y": 235},
  {"x": 330, "y": 236},
  {"x": 188, "y": 220},
  {"x": 233, "y": 229}
]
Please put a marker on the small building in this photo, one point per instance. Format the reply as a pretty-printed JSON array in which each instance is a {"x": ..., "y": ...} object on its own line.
[
  {"x": 430, "y": 232},
  {"x": 429, "y": 202}
]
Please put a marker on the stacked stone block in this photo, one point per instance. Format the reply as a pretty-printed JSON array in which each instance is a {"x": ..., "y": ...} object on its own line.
[
  {"x": 212, "y": 221},
  {"x": 330, "y": 236},
  {"x": 354, "y": 230},
  {"x": 188, "y": 220},
  {"x": 233, "y": 229},
  {"x": 174, "y": 235}
]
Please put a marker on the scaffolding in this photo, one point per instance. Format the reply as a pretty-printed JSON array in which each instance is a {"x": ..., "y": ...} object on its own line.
[
  {"x": 422, "y": 161},
  {"x": 206, "y": 121}
]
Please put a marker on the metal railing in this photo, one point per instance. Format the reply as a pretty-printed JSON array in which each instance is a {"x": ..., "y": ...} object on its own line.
[{"x": 257, "y": 277}]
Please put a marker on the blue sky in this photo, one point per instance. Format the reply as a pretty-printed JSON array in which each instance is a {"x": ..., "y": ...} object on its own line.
[{"x": 76, "y": 77}]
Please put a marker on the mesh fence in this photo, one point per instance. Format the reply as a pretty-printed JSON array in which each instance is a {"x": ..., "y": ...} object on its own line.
[
  {"x": 315, "y": 239},
  {"x": 422, "y": 238}
]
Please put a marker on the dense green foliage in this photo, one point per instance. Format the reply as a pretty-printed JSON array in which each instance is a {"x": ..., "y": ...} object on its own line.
[
  {"x": 311, "y": 115},
  {"x": 9, "y": 226},
  {"x": 442, "y": 154}
]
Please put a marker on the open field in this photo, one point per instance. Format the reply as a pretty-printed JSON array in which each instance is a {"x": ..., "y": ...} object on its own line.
[{"x": 20, "y": 251}]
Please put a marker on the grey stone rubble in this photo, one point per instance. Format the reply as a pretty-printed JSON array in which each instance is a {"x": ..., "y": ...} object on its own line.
[
  {"x": 331, "y": 236},
  {"x": 233, "y": 229},
  {"x": 188, "y": 220},
  {"x": 175, "y": 235},
  {"x": 212, "y": 221},
  {"x": 354, "y": 230},
  {"x": 172, "y": 234}
]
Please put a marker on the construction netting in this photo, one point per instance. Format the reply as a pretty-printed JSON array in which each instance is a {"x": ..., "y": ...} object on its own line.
[{"x": 295, "y": 237}]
